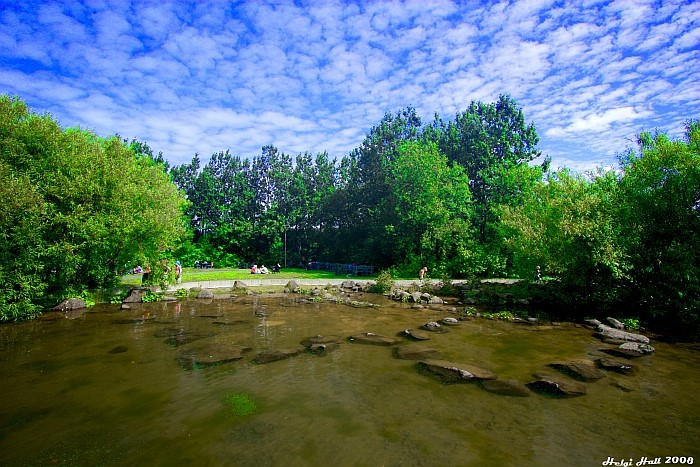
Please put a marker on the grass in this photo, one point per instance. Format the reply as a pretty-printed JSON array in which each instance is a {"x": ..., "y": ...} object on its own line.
[{"x": 227, "y": 274}]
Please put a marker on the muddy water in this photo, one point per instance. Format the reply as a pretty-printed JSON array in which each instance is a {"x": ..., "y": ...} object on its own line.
[{"x": 106, "y": 389}]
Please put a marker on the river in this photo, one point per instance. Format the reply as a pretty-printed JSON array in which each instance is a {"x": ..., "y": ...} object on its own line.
[{"x": 109, "y": 388}]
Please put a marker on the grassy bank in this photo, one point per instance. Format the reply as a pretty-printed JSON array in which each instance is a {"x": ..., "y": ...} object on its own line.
[{"x": 225, "y": 274}]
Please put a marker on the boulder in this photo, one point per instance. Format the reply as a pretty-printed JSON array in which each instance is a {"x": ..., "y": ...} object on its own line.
[
  {"x": 416, "y": 334},
  {"x": 292, "y": 286},
  {"x": 401, "y": 295},
  {"x": 436, "y": 300},
  {"x": 549, "y": 385},
  {"x": 451, "y": 372},
  {"x": 240, "y": 285},
  {"x": 582, "y": 370},
  {"x": 70, "y": 304},
  {"x": 615, "y": 323},
  {"x": 606, "y": 332},
  {"x": 610, "y": 364},
  {"x": 434, "y": 327},
  {"x": 135, "y": 295},
  {"x": 268, "y": 356},
  {"x": 373, "y": 339},
  {"x": 205, "y": 293},
  {"x": 505, "y": 387},
  {"x": 592, "y": 323},
  {"x": 450, "y": 321},
  {"x": 414, "y": 297},
  {"x": 416, "y": 352},
  {"x": 348, "y": 284}
]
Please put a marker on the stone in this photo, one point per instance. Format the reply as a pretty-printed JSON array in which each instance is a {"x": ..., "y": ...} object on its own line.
[
  {"x": 436, "y": 300},
  {"x": 450, "y": 321},
  {"x": 70, "y": 304},
  {"x": 505, "y": 387},
  {"x": 552, "y": 386},
  {"x": 373, "y": 339},
  {"x": 205, "y": 293},
  {"x": 135, "y": 295},
  {"x": 434, "y": 327},
  {"x": 615, "y": 323},
  {"x": 268, "y": 356},
  {"x": 617, "y": 366},
  {"x": 292, "y": 286},
  {"x": 451, "y": 372},
  {"x": 606, "y": 332},
  {"x": 210, "y": 352},
  {"x": 310, "y": 341},
  {"x": 416, "y": 334},
  {"x": 322, "y": 349},
  {"x": 582, "y": 370},
  {"x": 416, "y": 352}
]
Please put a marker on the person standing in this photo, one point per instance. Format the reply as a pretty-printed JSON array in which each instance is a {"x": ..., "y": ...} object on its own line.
[{"x": 178, "y": 272}]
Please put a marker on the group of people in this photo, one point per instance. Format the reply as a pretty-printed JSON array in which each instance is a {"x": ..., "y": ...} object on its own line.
[
  {"x": 263, "y": 270},
  {"x": 147, "y": 271}
]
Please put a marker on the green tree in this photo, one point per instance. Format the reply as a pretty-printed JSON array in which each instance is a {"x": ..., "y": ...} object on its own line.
[
  {"x": 660, "y": 199},
  {"x": 432, "y": 206},
  {"x": 101, "y": 208}
]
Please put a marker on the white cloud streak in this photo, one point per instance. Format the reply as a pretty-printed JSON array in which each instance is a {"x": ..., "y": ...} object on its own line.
[{"x": 203, "y": 77}]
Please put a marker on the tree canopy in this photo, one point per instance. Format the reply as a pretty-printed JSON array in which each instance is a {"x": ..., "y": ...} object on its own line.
[{"x": 76, "y": 210}]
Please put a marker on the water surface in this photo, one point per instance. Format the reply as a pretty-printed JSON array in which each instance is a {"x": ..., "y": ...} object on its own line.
[{"x": 107, "y": 388}]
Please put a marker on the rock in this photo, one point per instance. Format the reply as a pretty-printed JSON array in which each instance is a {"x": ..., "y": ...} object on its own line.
[
  {"x": 322, "y": 349},
  {"x": 176, "y": 338},
  {"x": 549, "y": 385},
  {"x": 455, "y": 372},
  {"x": 592, "y": 323},
  {"x": 615, "y": 323},
  {"x": 417, "y": 306},
  {"x": 436, "y": 300},
  {"x": 401, "y": 295},
  {"x": 434, "y": 327},
  {"x": 582, "y": 370},
  {"x": 373, "y": 339},
  {"x": 630, "y": 350},
  {"x": 507, "y": 387},
  {"x": 118, "y": 349},
  {"x": 315, "y": 292},
  {"x": 310, "y": 341},
  {"x": 292, "y": 286},
  {"x": 414, "y": 297},
  {"x": 616, "y": 366},
  {"x": 620, "y": 386},
  {"x": 348, "y": 284},
  {"x": 416, "y": 352},
  {"x": 70, "y": 304},
  {"x": 205, "y": 293},
  {"x": 450, "y": 321},
  {"x": 612, "y": 333},
  {"x": 425, "y": 297},
  {"x": 416, "y": 334},
  {"x": 268, "y": 356},
  {"x": 240, "y": 285},
  {"x": 135, "y": 295},
  {"x": 327, "y": 296},
  {"x": 211, "y": 352}
]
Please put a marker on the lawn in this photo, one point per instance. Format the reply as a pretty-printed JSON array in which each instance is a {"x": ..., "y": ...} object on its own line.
[{"x": 225, "y": 274}]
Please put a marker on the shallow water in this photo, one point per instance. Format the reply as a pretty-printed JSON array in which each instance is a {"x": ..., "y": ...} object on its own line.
[{"x": 66, "y": 400}]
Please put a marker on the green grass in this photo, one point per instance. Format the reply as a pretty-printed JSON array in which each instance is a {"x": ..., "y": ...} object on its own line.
[{"x": 227, "y": 274}]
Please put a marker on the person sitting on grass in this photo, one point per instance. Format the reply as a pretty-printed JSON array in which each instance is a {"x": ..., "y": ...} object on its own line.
[{"x": 254, "y": 269}]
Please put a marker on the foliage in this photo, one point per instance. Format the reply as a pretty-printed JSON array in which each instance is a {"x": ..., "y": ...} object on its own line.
[
  {"x": 240, "y": 404},
  {"x": 181, "y": 293},
  {"x": 151, "y": 296},
  {"x": 384, "y": 282},
  {"x": 76, "y": 209}
]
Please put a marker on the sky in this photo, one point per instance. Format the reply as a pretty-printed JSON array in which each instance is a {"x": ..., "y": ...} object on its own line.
[{"x": 201, "y": 77}]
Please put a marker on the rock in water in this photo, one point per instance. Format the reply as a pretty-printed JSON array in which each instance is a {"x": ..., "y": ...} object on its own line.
[{"x": 451, "y": 372}]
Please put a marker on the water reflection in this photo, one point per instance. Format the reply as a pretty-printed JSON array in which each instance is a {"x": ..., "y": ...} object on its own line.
[{"x": 106, "y": 388}]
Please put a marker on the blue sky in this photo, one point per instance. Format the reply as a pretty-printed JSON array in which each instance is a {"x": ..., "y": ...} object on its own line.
[{"x": 202, "y": 77}]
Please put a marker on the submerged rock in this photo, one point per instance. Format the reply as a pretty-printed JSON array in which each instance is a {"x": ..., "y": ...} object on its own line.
[
  {"x": 373, "y": 339},
  {"x": 315, "y": 340},
  {"x": 617, "y": 366},
  {"x": 416, "y": 334},
  {"x": 505, "y": 387},
  {"x": 322, "y": 349},
  {"x": 416, "y": 352},
  {"x": 549, "y": 385},
  {"x": 211, "y": 352},
  {"x": 451, "y": 372},
  {"x": 268, "y": 356},
  {"x": 582, "y": 370},
  {"x": 118, "y": 349}
]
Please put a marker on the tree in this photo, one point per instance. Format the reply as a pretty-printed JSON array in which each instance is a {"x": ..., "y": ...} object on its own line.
[
  {"x": 95, "y": 208},
  {"x": 432, "y": 206},
  {"x": 488, "y": 140},
  {"x": 660, "y": 198}
]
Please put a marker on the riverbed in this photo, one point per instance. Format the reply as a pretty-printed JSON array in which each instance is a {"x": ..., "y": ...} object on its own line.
[{"x": 108, "y": 387}]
